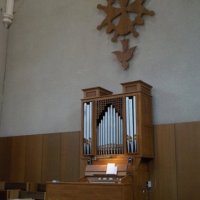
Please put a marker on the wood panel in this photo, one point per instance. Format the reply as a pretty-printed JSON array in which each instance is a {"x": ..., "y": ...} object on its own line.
[
  {"x": 70, "y": 156},
  {"x": 17, "y": 159},
  {"x": 85, "y": 191},
  {"x": 140, "y": 176},
  {"x": 188, "y": 162},
  {"x": 33, "y": 167},
  {"x": 164, "y": 165},
  {"x": 40, "y": 158},
  {"x": 51, "y": 157},
  {"x": 4, "y": 158},
  {"x": 174, "y": 171}
]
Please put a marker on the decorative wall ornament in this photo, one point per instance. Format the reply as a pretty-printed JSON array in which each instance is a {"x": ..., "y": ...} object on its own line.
[
  {"x": 122, "y": 17},
  {"x": 125, "y": 55}
]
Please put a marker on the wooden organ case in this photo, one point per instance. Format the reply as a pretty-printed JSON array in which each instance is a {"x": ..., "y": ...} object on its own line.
[
  {"x": 117, "y": 128},
  {"x": 116, "y": 146}
]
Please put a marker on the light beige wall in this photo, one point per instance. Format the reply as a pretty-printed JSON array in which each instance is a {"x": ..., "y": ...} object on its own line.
[
  {"x": 3, "y": 45},
  {"x": 55, "y": 50}
]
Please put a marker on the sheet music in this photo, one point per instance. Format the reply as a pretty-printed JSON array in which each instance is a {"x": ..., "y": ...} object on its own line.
[{"x": 111, "y": 168}]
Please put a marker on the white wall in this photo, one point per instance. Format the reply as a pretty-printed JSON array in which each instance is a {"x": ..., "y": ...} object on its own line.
[{"x": 54, "y": 51}]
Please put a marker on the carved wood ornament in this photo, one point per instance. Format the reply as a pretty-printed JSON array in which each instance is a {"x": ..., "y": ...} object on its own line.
[{"x": 120, "y": 22}]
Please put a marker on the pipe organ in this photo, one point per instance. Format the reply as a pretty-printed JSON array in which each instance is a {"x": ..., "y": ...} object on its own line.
[
  {"x": 116, "y": 146},
  {"x": 117, "y": 128}
]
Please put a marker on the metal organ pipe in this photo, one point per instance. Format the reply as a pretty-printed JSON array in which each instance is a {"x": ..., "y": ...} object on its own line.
[
  {"x": 110, "y": 129},
  {"x": 114, "y": 131},
  {"x": 121, "y": 135},
  {"x": 101, "y": 138},
  {"x": 131, "y": 123},
  {"x": 88, "y": 129},
  {"x": 106, "y": 133},
  {"x": 103, "y": 135},
  {"x": 117, "y": 132},
  {"x": 135, "y": 124},
  {"x": 90, "y": 125},
  {"x": 127, "y": 123},
  {"x": 87, "y": 123},
  {"x": 110, "y": 132},
  {"x": 84, "y": 128}
]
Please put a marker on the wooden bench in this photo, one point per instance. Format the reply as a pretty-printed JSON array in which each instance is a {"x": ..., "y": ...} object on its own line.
[{"x": 19, "y": 190}]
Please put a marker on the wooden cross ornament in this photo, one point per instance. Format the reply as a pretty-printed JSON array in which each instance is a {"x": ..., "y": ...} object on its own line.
[{"x": 122, "y": 17}]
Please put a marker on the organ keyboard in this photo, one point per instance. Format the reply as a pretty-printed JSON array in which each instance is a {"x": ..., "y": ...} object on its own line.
[{"x": 98, "y": 173}]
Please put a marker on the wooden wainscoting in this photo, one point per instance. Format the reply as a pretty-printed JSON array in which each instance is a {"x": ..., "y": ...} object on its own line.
[
  {"x": 188, "y": 160},
  {"x": 51, "y": 157},
  {"x": 175, "y": 169},
  {"x": 70, "y": 157},
  {"x": 5, "y": 152},
  {"x": 17, "y": 158},
  {"x": 40, "y": 158},
  {"x": 34, "y": 157},
  {"x": 164, "y": 165}
]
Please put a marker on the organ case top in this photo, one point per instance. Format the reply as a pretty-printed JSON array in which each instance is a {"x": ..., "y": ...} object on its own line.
[{"x": 117, "y": 124}]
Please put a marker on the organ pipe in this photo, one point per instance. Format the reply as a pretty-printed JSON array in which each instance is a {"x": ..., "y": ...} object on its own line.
[
  {"x": 110, "y": 129},
  {"x": 87, "y": 127},
  {"x": 131, "y": 124},
  {"x": 110, "y": 132}
]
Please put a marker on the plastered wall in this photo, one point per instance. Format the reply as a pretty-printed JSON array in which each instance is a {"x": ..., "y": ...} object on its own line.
[
  {"x": 54, "y": 50},
  {"x": 3, "y": 47}
]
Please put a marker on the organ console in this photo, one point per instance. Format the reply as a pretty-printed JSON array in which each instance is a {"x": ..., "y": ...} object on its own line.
[{"x": 116, "y": 146}]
